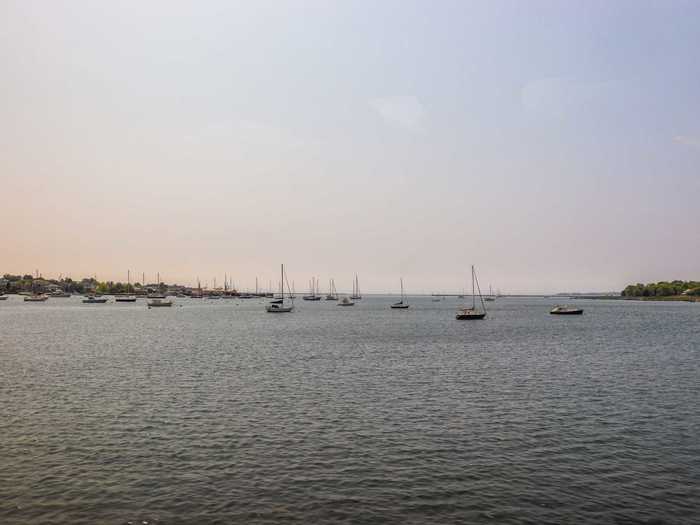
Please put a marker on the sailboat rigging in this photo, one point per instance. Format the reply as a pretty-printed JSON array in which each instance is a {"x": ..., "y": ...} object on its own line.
[
  {"x": 402, "y": 304},
  {"x": 278, "y": 306},
  {"x": 473, "y": 313}
]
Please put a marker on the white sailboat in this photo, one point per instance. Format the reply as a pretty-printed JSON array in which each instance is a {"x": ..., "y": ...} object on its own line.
[
  {"x": 332, "y": 293},
  {"x": 356, "y": 290},
  {"x": 278, "y": 306},
  {"x": 403, "y": 303},
  {"x": 473, "y": 313},
  {"x": 313, "y": 289},
  {"x": 126, "y": 297}
]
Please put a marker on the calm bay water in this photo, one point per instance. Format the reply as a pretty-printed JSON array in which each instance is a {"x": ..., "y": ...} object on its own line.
[{"x": 216, "y": 412}]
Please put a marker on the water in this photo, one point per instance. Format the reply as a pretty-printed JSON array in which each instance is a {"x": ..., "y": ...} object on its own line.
[{"x": 216, "y": 412}]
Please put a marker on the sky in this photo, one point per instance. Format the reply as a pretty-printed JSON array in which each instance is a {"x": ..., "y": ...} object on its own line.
[{"x": 554, "y": 145}]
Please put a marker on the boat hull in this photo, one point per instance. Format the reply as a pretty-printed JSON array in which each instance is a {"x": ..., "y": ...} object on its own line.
[
  {"x": 125, "y": 299},
  {"x": 469, "y": 317},
  {"x": 310, "y": 298},
  {"x": 567, "y": 312},
  {"x": 160, "y": 305},
  {"x": 279, "y": 310},
  {"x": 399, "y": 306}
]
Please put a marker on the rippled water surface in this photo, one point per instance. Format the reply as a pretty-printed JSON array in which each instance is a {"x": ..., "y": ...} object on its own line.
[{"x": 216, "y": 412}]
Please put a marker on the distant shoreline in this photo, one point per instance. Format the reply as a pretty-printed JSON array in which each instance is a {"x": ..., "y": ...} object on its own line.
[{"x": 673, "y": 298}]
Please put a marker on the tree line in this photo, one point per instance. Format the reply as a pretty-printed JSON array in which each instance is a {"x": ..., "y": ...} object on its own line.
[
  {"x": 29, "y": 283},
  {"x": 662, "y": 289}
]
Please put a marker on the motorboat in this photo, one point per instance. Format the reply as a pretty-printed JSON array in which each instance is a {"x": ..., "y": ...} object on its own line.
[
  {"x": 566, "y": 310},
  {"x": 94, "y": 299}
]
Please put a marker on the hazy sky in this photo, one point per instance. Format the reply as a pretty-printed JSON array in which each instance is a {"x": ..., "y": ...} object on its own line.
[{"x": 555, "y": 145}]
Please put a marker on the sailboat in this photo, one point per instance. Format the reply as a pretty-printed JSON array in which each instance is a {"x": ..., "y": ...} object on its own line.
[
  {"x": 313, "y": 288},
  {"x": 473, "y": 313},
  {"x": 126, "y": 297},
  {"x": 332, "y": 293},
  {"x": 356, "y": 289},
  {"x": 402, "y": 304},
  {"x": 159, "y": 294},
  {"x": 490, "y": 297},
  {"x": 278, "y": 306}
]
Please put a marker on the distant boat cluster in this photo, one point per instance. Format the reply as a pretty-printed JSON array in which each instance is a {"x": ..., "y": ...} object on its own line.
[{"x": 284, "y": 301}]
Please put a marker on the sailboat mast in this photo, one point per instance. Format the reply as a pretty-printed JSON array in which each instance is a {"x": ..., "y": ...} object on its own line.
[{"x": 473, "y": 296}]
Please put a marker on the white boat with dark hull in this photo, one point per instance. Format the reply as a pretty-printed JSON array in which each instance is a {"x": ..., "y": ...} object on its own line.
[
  {"x": 157, "y": 302},
  {"x": 473, "y": 313},
  {"x": 94, "y": 299},
  {"x": 278, "y": 306},
  {"x": 345, "y": 301},
  {"x": 403, "y": 303},
  {"x": 3, "y": 297},
  {"x": 566, "y": 310}
]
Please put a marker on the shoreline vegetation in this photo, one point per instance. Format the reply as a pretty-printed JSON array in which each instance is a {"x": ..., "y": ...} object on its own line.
[
  {"x": 685, "y": 291},
  {"x": 22, "y": 284}
]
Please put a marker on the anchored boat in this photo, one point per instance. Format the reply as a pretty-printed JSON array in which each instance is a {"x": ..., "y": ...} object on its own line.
[
  {"x": 566, "y": 310},
  {"x": 402, "y": 304},
  {"x": 473, "y": 313},
  {"x": 278, "y": 306}
]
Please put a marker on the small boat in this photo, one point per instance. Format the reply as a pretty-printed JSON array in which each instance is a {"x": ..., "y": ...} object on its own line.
[
  {"x": 473, "y": 313},
  {"x": 346, "y": 302},
  {"x": 356, "y": 296},
  {"x": 402, "y": 304},
  {"x": 566, "y": 310},
  {"x": 490, "y": 297},
  {"x": 3, "y": 297},
  {"x": 158, "y": 302},
  {"x": 60, "y": 294},
  {"x": 93, "y": 299},
  {"x": 277, "y": 306},
  {"x": 36, "y": 298}
]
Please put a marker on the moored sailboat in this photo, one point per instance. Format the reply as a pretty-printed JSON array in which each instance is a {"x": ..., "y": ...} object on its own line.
[
  {"x": 278, "y": 306},
  {"x": 126, "y": 297},
  {"x": 403, "y": 303},
  {"x": 473, "y": 313},
  {"x": 356, "y": 290},
  {"x": 332, "y": 293},
  {"x": 313, "y": 288}
]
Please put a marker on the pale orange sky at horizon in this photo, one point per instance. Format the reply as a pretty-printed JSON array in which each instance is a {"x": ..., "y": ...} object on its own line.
[{"x": 395, "y": 140}]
